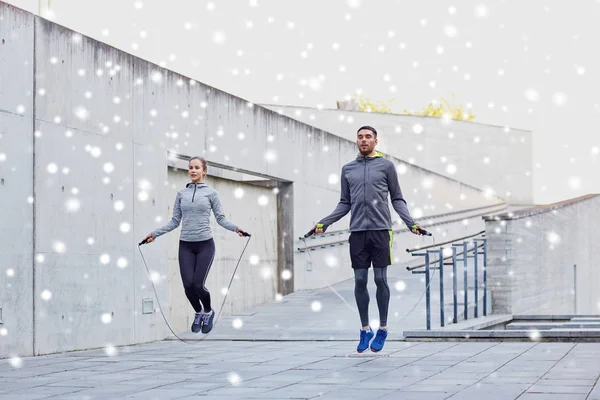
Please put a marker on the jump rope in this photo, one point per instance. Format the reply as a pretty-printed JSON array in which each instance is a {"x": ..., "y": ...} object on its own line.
[
  {"x": 303, "y": 238},
  {"x": 246, "y": 234}
]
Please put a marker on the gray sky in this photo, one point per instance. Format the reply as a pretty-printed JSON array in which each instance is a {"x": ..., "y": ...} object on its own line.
[{"x": 523, "y": 64}]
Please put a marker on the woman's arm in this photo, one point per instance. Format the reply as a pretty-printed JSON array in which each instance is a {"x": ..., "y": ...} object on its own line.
[
  {"x": 215, "y": 203},
  {"x": 174, "y": 222}
]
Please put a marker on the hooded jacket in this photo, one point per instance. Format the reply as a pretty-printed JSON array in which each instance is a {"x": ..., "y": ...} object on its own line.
[
  {"x": 193, "y": 204},
  {"x": 365, "y": 183}
]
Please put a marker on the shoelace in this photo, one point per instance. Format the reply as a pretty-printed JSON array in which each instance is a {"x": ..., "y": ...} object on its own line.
[
  {"x": 378, "y": 338},
  {"x": 197, "y": 318},
  {"x": 206, "y": 317},
  {"x": 363, "y": 337}
]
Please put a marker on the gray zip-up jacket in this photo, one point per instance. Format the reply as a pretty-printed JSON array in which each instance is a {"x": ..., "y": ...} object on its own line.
[
  {"x": 193, "y": 204},
  {"x": 365, "y": 183}
]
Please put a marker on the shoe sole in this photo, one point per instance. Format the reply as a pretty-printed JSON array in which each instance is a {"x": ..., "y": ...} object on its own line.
[
  {"x": 376, "y": 351},
  {"x": 362, "y": 351},
  {"x": 199, "y": 328}
]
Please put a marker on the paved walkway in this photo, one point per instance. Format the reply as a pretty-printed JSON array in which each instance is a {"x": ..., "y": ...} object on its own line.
[
  {"x": 285, "y": 350},
  {"x": 306, "y": 370}
]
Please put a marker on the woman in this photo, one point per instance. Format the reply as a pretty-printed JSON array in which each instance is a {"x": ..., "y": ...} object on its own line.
[{"x": 196, "y": 245}]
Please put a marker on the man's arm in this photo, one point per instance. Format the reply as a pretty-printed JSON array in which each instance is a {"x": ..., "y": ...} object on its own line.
[
  {"x": 398, "y": 201},
  {"x": 343, "y": 206}
]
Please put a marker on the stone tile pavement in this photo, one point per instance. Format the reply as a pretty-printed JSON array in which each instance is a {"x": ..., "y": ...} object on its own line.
[
  {"x": 306, "y": 370},
  {"x": 285, "y": 350}
]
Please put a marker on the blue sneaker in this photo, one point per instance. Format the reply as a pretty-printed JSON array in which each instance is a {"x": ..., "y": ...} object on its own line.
[
  {"x": 365, "y": 338},
  {"x": 379, "y": 341},
  {"x": 198, "y": 319}
]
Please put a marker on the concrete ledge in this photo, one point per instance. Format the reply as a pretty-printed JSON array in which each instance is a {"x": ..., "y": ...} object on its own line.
[
  {"x": 573, "y": 328},
  {"x": 530, "y": 335},
  {"x": 540, "y": 209},
  {"x": 532, "y": 325},
  {"x": 478, "y": 323},
  {"x": 547, "y": 326},
  {"x": 550, "y": 317}
]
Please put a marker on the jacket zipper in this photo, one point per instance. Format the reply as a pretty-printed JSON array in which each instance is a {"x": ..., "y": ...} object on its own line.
[
  {"x": 194, "y": 193},
  {"x": 365, "y": 194}
]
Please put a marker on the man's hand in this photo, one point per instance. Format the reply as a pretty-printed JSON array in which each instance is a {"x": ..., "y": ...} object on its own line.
[
  {"x": 319, "y": 228},
  {"x": 415, "y": 229}
]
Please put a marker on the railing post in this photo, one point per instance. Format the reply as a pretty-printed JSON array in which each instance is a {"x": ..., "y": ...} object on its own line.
[
  {"x": 454, "y": 289},
  {"x": 427, "y": 297},
  {"x": 466, "y": 282},
  {"x": 484, "y": 277},
  {"x": 464, "y": 259},
  {"x": 441, "y": 274},
  {"x": 484, "y": 273},
  {"x": 476, "y": 256},
  {"x": 575, "y": 288}
]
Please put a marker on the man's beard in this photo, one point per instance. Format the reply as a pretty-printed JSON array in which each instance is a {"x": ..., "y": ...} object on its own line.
[{"x": 364, "y": 152}]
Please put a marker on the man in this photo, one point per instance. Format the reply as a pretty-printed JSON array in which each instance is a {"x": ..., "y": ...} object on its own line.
[{"x": 365, "y": 183}]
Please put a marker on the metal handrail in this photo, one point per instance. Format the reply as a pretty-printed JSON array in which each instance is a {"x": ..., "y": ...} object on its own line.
[
  {"x": 440, "y": 260},
  {"x": 441, "y": 244},
  {"x": 445, "y": 258},
  {"x": 341, "y": 231}
]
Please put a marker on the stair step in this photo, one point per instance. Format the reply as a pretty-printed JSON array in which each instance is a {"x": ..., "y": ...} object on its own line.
[
  {"x": 531, "y": 325},
  {"x": 582, "y": 324},
  {"x": 585, "y": 319}
]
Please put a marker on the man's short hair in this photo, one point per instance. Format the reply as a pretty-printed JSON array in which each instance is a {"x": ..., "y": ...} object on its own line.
[{"x": 367, "y": 127}]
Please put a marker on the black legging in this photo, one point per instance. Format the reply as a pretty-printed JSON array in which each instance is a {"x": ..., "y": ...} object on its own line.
[
  {"x": 361, "y": 293},
  {"x": 195, "y": 260}
]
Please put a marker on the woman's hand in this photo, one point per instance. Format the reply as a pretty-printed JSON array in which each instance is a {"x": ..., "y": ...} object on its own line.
[
  {"x": 240, "y": 232},
  {"x": 149, "y": 238}
]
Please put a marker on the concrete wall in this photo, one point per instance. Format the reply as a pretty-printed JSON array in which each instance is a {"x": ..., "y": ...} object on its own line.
[
  {"x": 508, "y": 172},
  {"x": 531, "y": 257},
  {"x": 88, "y": 220},
  {"x": 16, "y": 183},
  {"x": 105, "y": 122}
]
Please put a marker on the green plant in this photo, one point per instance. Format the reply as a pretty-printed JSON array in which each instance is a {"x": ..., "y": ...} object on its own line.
[
  {"x": 445, "y": 109},
  {"x": 365, "y": 104}
]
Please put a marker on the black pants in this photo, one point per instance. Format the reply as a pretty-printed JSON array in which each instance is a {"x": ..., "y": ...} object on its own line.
[{"x": 195, "y": 260}]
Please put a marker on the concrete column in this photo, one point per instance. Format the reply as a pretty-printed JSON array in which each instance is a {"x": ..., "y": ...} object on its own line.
[{"x": 285, "y": 235}]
